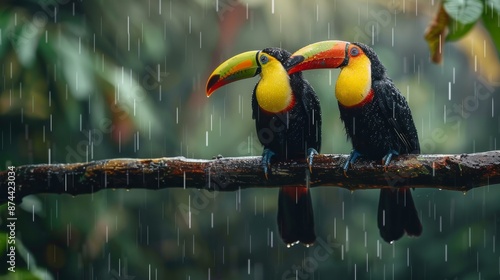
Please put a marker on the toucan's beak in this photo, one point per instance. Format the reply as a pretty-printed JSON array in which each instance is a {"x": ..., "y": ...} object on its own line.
[
  {"x": 325, "y": 54},
  {"x": 238, "y": 67}
]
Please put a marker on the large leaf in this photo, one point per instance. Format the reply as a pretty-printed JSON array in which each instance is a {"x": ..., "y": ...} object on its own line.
[
  {"x": 457, "y": 30},
  {"x": 6, "y": 28},
  {"x": 464, "y": 11},
  {"x": 492, "y": 5},
  {"x": 491, "y": 21}
]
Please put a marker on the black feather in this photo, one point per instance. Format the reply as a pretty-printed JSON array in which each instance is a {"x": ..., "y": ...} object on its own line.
[
  {"x": 289, "y": 135},
  {"x": 378, "y": 127}
]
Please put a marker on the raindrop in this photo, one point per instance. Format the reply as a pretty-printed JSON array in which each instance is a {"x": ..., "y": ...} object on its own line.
[
  {"x": 379, "y": 249},
  {"x": 189, "y": 211},
  {"x": 492, "y": 107},
  {"x": 346, "y": 238},
  {"x": 223, "y": 255},
  {"x": 367, "y": 262},
  {"x": 342, "y": 210},
  {"x": 470, "y": 236},
  {"x": 250, "y": 244},
  {"x": 493, "y": 244},
  {"x": 335, "y": 228},
  {"x": 193, "y": 247},
  {"x": 317, "y": 13},
  {"x": 446, "y": 252},
  {"x": 444, "y": 113},
  {"x": 407, "y": 257},
  {"x": 392, "y": 36}
]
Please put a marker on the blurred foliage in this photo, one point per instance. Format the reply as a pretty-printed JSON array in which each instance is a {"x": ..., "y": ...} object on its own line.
[
  {"x": 86, "y": 80},
  {"x": 458, "y": 17}
]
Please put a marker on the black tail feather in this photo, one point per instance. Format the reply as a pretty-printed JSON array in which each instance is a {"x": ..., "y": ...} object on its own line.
[
  {"x": 295, "y": 216},
  {"x": 397, "y": 214}
]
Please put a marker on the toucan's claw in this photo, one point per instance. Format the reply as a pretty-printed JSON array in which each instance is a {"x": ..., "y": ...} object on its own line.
[
  {"x": 310, "y": 157},
  {"x": 350, "y": 160},
  {"x": 266, "y": 160},
  {"x": 387, "y": 158}
]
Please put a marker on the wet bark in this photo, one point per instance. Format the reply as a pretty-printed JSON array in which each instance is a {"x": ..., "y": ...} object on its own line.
[{"x": 452, "y": 172}]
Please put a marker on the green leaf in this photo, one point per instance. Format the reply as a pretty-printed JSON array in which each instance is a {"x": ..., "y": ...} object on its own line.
[
  {"x": 457, "y": 30},
  {"x": 464, "y": 11},
  {"x": 491, "y": 21},
  {"x": 6, "y": 28},
  {"x": 492, "y": 4}
]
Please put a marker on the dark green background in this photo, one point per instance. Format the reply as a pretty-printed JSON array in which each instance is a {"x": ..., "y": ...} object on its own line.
[{"x": 89, "y": 80}]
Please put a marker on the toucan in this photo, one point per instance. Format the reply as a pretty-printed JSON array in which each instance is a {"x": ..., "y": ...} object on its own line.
[
  {"x": 377, "y": 120},
  {"x": 288, "y": 121}
]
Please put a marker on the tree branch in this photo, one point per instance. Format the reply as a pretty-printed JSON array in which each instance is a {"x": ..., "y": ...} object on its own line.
[{"x": 451, "y": 172}]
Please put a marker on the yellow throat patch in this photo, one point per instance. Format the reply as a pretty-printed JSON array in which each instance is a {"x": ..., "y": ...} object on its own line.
[
  {"x": 354, "y": 82},
  {"x": 274, "y": 93}
]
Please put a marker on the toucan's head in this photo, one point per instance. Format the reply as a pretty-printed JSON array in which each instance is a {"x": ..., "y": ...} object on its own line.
[
  {"x": 273, "y": 92},
  {"x": 335, "y": 54},
  {"x": 246, "y": 65},
  {"x": 359, "y": 63}
]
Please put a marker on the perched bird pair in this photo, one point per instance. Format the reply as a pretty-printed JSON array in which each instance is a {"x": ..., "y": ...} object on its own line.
[{"x": 287, "y": 114}]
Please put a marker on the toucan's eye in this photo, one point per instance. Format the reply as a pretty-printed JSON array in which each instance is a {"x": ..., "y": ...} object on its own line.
[
  {"x": 354, "y": 51},
  {"x": 263, "y": 59}
]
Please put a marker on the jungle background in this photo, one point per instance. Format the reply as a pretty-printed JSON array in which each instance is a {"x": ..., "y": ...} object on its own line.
[{"x": 89, "y": 80}]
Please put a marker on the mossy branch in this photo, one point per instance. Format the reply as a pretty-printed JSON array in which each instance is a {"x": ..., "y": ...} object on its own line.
[{"x": 452, "y": 172}]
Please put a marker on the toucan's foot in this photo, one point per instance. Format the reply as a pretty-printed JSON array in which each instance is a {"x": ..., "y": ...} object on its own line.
[
  {"x": 266, "y": 160},
  {"x": 219, "y": 156},
  {"x": 310, "y": 157},
  {"x": 350, "y": 160},
  {"x": 387, "y": 158}
]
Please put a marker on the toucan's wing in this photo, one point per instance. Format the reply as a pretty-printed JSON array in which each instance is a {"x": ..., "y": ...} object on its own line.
[
  {"x": 398, "y": 114},
  {"x": 311, "y": 105}
]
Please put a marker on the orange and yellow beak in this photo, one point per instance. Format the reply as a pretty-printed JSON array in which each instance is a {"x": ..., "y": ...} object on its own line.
[
  {"x": 325, "y": 54},
  {"x": 238, "y": 67}
]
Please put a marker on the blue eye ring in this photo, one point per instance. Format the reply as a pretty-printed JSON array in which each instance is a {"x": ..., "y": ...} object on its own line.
[
  {"x": 263, "y": 59},
  {"x": 354, "y": 51}
]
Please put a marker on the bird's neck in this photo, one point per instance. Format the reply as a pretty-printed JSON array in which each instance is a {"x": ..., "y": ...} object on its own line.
[
  {"x": 354, "y": 84},
  {"x": 274, "y": 92}
]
